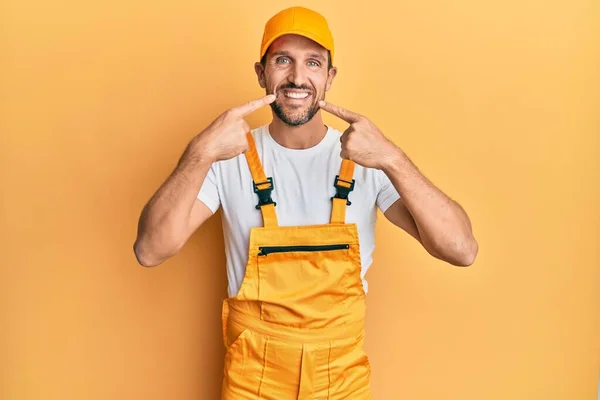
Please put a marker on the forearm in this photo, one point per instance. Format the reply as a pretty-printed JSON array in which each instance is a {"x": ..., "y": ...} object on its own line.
[
  {"x": 164, "y": 222},
  {"x": 444, "y": 227}
]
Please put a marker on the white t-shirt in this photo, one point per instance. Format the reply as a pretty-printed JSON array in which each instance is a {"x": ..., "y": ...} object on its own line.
[{"x": 303, "y": 187}]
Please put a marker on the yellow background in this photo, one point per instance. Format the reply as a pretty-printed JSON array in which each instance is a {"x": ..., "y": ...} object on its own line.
[{"x": 497, "y": 102}]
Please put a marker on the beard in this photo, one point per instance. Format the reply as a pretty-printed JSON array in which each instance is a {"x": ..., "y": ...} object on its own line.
[{"x": 296, "y": 116}]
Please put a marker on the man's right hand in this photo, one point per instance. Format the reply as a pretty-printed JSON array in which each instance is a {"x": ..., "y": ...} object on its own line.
[
  {"x": 225, "y": 137},
  {"x": 174, "y": 212}
]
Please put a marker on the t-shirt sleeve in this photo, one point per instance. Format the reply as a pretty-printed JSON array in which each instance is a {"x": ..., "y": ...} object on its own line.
[
  {"x": 209, "y": 191},
  {"x": 387, "y": 194}
]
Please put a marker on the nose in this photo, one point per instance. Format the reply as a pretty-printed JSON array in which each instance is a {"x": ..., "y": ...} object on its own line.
[{"x": 298, "y": 75}]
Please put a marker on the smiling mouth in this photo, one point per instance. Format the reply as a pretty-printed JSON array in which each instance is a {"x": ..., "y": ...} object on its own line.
[{"x": 296, "y": 95}]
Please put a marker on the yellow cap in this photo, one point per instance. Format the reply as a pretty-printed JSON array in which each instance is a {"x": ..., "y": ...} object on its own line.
[{"x": 298, "y": 21}]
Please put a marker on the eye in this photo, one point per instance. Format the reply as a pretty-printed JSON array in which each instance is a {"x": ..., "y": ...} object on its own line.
[
  {"x": 313, "y": 63},
  {"x": 282, "y": 59}
]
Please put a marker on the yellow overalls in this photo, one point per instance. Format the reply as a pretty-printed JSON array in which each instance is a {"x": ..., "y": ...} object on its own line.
[{"x": 296, "y": 328}]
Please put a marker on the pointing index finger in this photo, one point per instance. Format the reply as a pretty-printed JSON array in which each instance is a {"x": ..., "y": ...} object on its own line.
[
  {"x": 254, "y": 105},
  {"x": 340, "y": 112}
]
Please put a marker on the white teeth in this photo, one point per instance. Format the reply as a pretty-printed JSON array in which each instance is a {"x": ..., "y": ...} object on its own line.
[{"x": 294, "y": 95}]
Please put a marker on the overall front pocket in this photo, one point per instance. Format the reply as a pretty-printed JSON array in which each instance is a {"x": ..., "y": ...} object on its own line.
[{"x": 305, "y": 285}]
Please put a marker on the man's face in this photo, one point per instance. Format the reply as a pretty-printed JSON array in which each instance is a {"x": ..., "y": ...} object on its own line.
[{"x": 297, "y": 71}]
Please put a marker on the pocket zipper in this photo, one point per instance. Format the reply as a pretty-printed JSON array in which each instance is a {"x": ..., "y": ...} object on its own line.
[{"x": 265, "y": 250}]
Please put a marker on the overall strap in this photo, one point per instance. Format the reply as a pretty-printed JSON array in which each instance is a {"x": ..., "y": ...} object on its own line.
[
  {"x": 263, "y": 186},
  {"x": 344, "y": 184}
]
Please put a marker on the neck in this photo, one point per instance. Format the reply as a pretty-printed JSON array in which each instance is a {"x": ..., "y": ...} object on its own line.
[{"x": 298, "y": 137}]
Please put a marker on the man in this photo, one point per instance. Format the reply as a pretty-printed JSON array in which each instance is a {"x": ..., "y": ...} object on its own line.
[{"x": 299, "y": 202}]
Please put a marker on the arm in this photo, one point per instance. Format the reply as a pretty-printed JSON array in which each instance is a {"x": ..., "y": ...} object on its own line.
[
  {"x": 174, "y": 212},
  {"x": 426, "y": 213}
]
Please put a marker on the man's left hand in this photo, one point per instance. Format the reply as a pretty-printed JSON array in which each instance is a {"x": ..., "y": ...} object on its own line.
[{"x": 362, "y": 142}]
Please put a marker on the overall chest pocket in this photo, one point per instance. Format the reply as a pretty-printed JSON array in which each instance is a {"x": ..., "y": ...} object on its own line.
[{"x": 306, "y": 285}]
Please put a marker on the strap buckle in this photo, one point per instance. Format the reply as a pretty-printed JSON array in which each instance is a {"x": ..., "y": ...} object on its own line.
[
  {"x": 264, "y": 195},
  {"x": 342, "y": 192}
]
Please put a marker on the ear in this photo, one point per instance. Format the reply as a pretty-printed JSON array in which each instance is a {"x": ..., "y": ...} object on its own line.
[
  {"x": 330, "y": 76},
  {"x": 260, "y": 74}
]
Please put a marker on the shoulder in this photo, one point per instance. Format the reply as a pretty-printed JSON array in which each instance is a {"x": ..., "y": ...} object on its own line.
[
  {"x": 334, "y": 134},
  {"x": 258, "y": 136}
]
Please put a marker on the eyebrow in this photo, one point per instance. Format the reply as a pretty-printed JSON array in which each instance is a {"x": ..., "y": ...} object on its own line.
[{"x": 317, "y": 55}]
